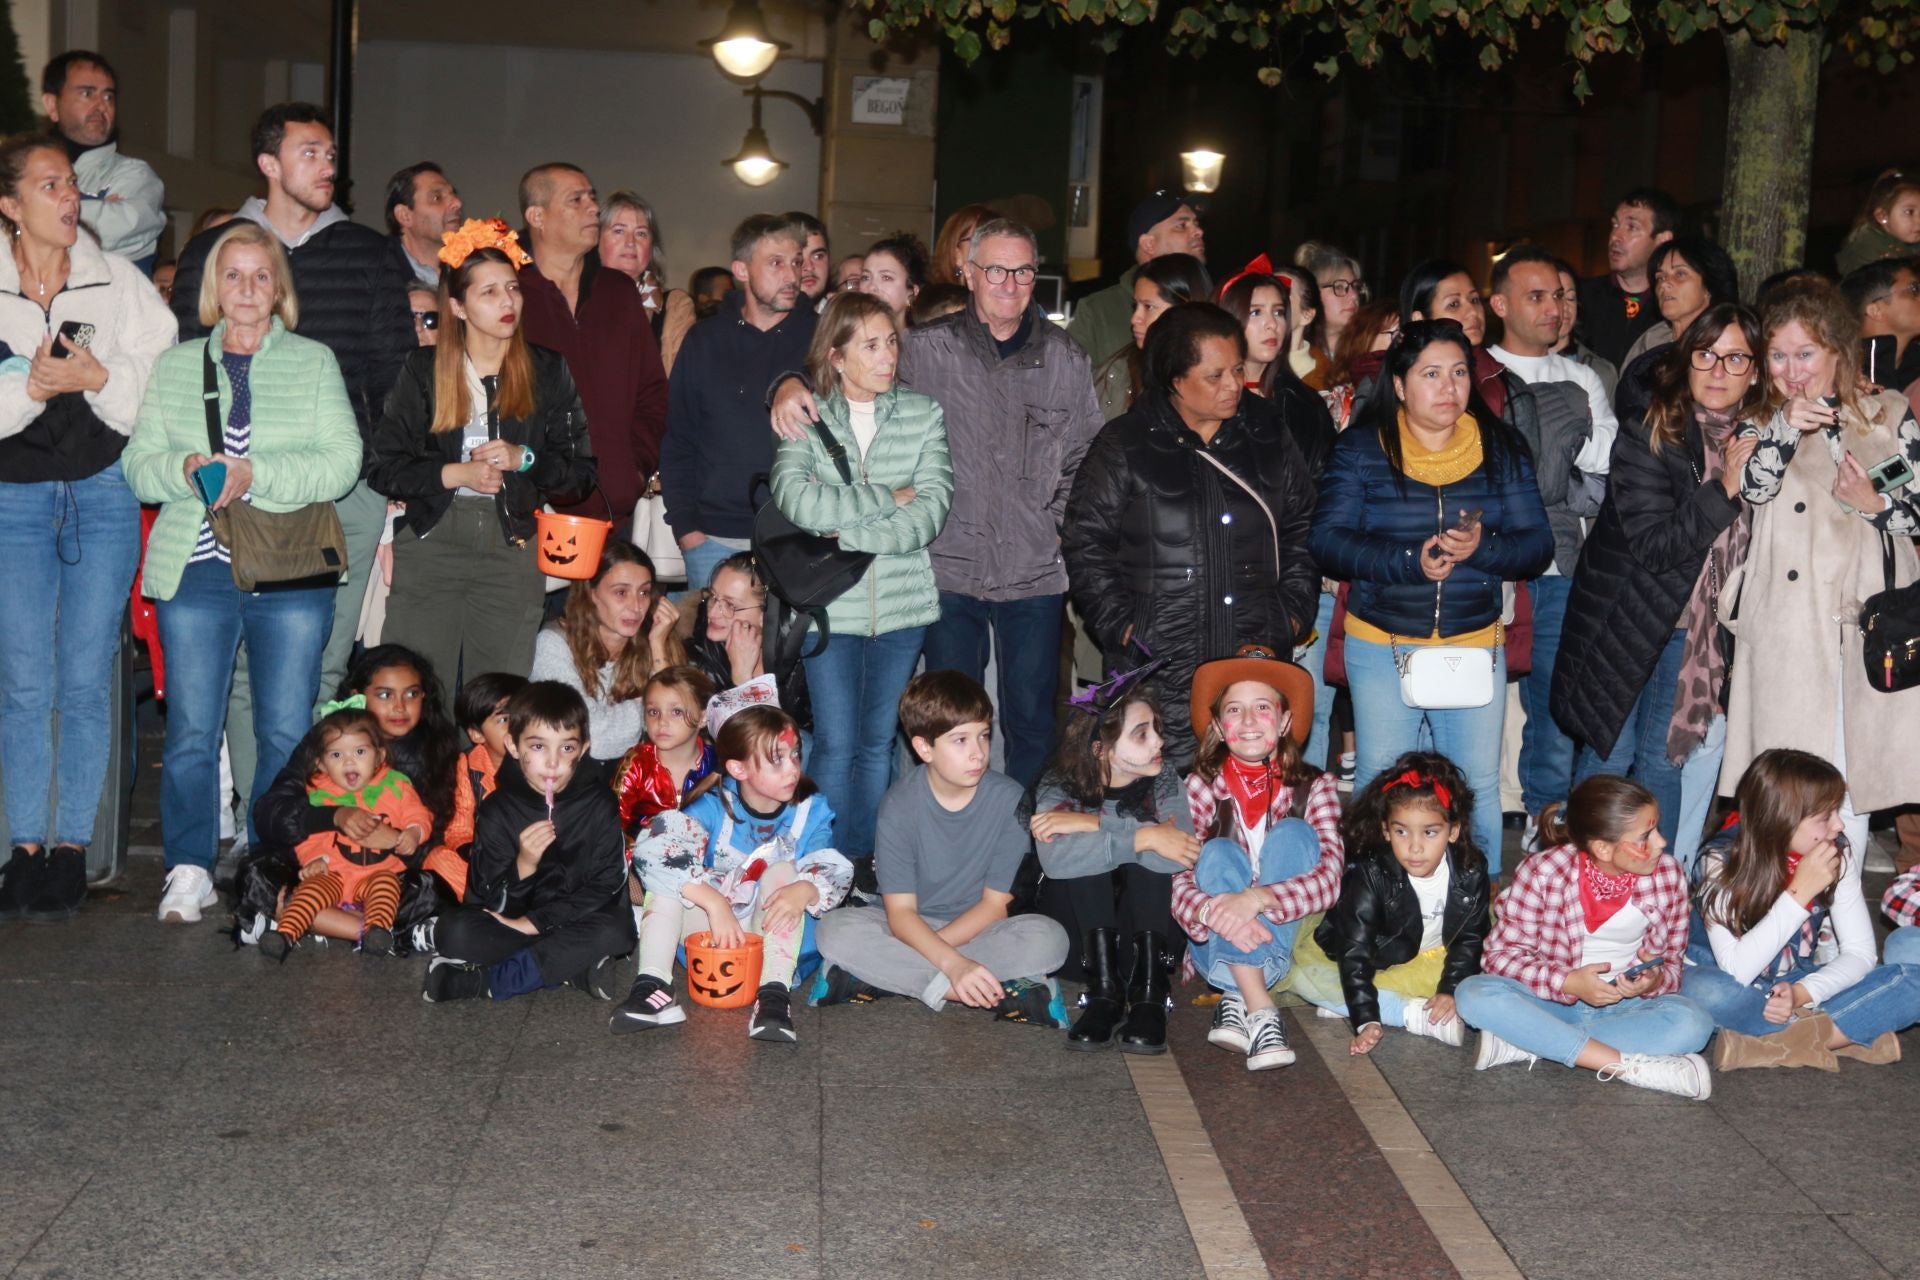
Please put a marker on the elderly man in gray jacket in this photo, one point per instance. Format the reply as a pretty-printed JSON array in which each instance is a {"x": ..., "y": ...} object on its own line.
[{"x": 1021, "y": 413}]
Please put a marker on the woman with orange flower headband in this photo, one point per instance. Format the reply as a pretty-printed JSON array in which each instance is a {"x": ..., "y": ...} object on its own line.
[{"x": 478, "y": 432}]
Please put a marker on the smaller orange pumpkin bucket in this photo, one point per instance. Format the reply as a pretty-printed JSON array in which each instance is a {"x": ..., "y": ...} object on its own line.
[
  {"x": 570, "y": 546},
  {"x": 723, "y": 977}
]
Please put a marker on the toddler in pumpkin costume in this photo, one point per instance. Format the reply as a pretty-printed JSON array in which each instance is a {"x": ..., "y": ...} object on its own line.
[{"x": 346, "y": 763}]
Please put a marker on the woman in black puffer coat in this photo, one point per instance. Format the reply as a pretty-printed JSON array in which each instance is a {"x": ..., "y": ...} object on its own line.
[
  {"x": 1163, "y": 545},
  {"x": 1671, "y": 532}
]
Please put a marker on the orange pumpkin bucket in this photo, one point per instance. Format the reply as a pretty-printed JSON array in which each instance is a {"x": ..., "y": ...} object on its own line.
[
  {"x": 570, "y": 546},
  {"x": 723, "y": 977}
]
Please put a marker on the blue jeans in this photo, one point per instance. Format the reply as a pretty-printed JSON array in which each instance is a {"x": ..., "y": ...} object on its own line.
[
  {"x": 705, "y": 558},
  {"x": 1903, "y": 945},
  {"x": 1290, "y": 849},
  {"x": 1699, "y": 779},
  {"x": 1314, "y": 658},
  {"x": 1509, "y": 1009},
  {"x": 1640, "y": 752},
  {"x": 856, "y": 686},
  {"x": 202, "y": 628},
  {"x": 68, "y": 551},
  {"x": 1887, "y": 999},
  {"x": 1026, "y": 639},
  {"x": 1546, "y": 753},
  {"x": 1384, "y": 727}
]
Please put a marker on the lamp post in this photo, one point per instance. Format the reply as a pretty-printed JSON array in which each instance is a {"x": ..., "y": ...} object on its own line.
[
  {"x": 755, "y": 164},
  {"x": 744, "y": 49},
  {"x": 1200, "y": 170}
]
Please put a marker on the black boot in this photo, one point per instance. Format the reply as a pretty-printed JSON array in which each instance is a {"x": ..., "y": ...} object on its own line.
[
  {"x": 1145, "y": 1030},
  {"x": 20, "y": 882},
  {"x": 1093, "y": 1029},
  {"x": 64, "y": 885}
]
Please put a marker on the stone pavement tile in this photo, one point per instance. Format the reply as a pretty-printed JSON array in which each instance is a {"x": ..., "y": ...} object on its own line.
[
  {"x": 67, "y": 1114},
  {"x": 890, "y": 1236},
  {"x": 980, "y": 1144},
  {"x": 1532, "y": 1154},
  {"x": 1567, "y": 1240},
  {"x": 111, "y": 948},
  {"x": 1884, "y": 1090},
  {"x": 1888, "y": 1236},
  {"x": 1299, "y": 1184},
  {"x": 1846, "y": 1159},
  {"x": 902, "y": 1043},
  {"x": 717, "y": 1223},
  {"x": 28, "y": 1205}
]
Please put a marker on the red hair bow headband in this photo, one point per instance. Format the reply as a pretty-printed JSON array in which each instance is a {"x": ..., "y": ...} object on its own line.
[
  {"x": 1414, "y": 778},
  {"x": 1260, "y": 266}
]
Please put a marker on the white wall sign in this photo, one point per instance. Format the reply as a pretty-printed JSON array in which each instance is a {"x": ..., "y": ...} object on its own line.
[{"x": 880, "y": 99}]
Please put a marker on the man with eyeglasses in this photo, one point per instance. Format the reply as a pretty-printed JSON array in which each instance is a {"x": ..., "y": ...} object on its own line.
[
  {"x": 1525, "y": 292},
  {"x": 1886, "y": 297},
  {"x": 1165, "y": 222},
  {"x": 1020, "y": 415}
]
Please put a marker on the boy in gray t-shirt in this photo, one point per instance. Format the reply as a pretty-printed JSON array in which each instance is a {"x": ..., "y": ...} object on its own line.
[{"x": 946, "y": 850}]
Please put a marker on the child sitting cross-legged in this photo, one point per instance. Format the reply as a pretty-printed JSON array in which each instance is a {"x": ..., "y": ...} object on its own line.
[
  {"x": 946, "y": 850},
  {"x": 345, "y": 760},
  {"x": 1412, "y": 914},
  {"x": 751, "y": 852},
  {"x": 546, "y": 902}
]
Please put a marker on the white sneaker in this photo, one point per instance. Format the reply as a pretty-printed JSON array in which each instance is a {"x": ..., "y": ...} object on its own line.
[
  {"x": 251, "y": 934},
  {"x": 1328, "y": 1014},
  {"x": 1495, "y": 1052},
  {"x": 1420, "y": 1023},
  {"x": 1267, "y": 1045},
  {"x": 187, "y": 892},
  {"x": 1683, "y": 1073}
]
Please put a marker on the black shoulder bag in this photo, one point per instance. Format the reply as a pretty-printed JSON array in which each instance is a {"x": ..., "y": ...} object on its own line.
[
  {"x": 270, "y": 550},
  {"x": 805, "y": 572},
  {"x": 1890, "y": 631}
]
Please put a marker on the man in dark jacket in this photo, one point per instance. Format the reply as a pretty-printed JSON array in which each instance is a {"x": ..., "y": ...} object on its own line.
[
  {"x": 594, "y": 319},
  {"x": 546, "y": 900},
  {"x": 1618, "y": 307},
  {"x": 717, "y": 437},
  {"x": 352, "y": 292}
]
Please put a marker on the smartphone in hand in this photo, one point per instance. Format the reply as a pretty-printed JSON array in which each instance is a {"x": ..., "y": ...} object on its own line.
[
  {"x": 209, "y": 480},
  {"x": 1638, "y": 969},
  {"x": 77, "y": 333},
  {"x": 1468, "y": 521}
]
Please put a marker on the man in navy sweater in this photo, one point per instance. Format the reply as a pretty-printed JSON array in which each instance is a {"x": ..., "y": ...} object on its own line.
[{"x": 717, "y": 438}]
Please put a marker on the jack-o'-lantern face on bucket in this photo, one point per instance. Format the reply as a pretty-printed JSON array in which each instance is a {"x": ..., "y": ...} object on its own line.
[
  {"x": 715, "y": 975},
  {"x": 560, "y": 548}
]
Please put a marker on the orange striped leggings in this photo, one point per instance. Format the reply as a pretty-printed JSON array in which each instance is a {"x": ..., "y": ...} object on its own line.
[{"x": 379, "y": 896}]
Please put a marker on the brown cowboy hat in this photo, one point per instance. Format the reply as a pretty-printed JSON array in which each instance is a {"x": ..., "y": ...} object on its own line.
[{"x": 1254, "y": 662}]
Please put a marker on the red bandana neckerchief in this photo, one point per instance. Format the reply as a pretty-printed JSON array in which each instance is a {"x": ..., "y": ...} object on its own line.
[
  {"x": 1251, "y": 786},
  {"x": 1602, "y": 893}
]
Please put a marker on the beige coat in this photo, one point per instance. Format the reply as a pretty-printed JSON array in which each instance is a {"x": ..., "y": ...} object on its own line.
[{"x": 1795, "y": 667}]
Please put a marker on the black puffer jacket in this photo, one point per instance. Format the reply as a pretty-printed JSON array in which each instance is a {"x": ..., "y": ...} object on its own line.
[
  {"x": 1376, "y": 925},
  {"x": 353, "y": 299},
  {"x": 1304, "y": 415},
  {"x": 1158, "y": 541},
  {"x": 408, "y": 453},
  {"x": 1636, "y": 571}
]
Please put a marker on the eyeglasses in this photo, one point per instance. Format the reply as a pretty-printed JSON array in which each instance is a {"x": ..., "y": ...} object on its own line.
[
  {"x": 997, "y": 274},
  {"x": 428, "y": 320},
  {"x": 721, "y": 607},
  {"x": 1735, "y": 362},
  {"x": 1341, "y": 288}
]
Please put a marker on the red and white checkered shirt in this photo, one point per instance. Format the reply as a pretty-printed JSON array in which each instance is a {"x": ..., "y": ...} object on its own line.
[
  {"x": 1901, "y": 902},
  {"x": 1293, "y": 899},
  {"x": 1540, "y": 924}
]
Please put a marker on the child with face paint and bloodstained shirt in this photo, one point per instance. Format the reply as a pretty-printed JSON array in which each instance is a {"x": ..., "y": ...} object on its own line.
[
  {"x": 1273, "y": 854},
  {"x": 749, "y": 852}
]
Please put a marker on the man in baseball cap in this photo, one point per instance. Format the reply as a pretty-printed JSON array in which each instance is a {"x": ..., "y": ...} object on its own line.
[{"x": 1165, "y": 222}]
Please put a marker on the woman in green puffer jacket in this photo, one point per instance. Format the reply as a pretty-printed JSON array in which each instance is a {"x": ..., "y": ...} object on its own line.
[{"x": 896, "y": 449}]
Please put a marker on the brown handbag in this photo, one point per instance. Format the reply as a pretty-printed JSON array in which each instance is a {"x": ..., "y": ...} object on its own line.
[{"x": 271, "y": 550}]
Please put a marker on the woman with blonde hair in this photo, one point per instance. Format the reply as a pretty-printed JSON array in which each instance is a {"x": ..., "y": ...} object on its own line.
[
  {"x": 630, "y": 243},
  {"x": 1824, "y": 540}
]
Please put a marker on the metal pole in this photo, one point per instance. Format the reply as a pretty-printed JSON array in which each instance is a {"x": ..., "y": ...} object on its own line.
[{"x": 343, "y": 40}]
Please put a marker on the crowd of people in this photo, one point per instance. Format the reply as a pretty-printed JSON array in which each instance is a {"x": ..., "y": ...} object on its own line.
[{"x": 1252, "y": 563}]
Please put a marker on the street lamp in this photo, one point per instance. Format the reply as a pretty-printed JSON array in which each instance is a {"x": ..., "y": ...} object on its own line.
[
  {"x": 743, "y": 48},
  {"x": 755, "y": 164},
  {"x": 1200, "y": 170}
]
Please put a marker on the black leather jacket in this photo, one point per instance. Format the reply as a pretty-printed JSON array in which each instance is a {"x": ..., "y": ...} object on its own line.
[{"x": 1376, "y": 925}]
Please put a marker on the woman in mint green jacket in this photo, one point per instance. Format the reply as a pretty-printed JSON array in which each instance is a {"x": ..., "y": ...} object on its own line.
[
  {"x": 289, "y": 438},
  {"x": 896, "y": 446}
]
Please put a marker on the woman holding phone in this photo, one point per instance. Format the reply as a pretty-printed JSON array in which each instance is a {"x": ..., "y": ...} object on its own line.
[
  {"x": 288, "y": 439},
  {"x": 79, "y": 332},
  {"x": 1825, "y": 539},
  {"x": 1428, "y": 505}
]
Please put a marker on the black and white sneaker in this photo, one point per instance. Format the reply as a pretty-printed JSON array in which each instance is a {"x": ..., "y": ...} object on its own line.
[
  {"x": 453, "y": 980},
  {"x": 772, "y": 1016},
  {"x": 649, "y": 1004},
  {"x": 596, "y": 981},
  {"x": 1267, "y": 1045},
  {"x": 1229, "y": 1029},
  {"x": 421, "y": 937}
]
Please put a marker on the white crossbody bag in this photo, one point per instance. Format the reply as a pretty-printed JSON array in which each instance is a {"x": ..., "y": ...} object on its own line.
[{"x": 1446, "y": 677}]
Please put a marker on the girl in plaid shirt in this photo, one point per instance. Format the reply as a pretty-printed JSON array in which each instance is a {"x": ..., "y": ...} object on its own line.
[
  {"x": 1783, "y": 948},
  {"x": 1273, "y": 854},
  {"x": 1585, "y": 961}
]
